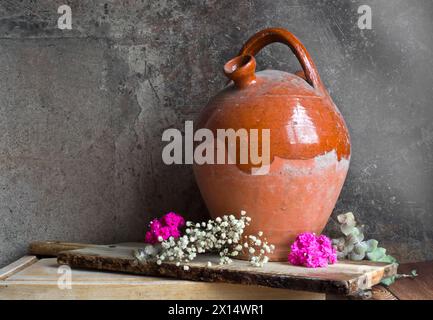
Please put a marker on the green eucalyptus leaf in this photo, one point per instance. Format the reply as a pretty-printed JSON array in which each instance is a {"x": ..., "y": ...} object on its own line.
[
  {"x": 388, "y": 281},
  {"x": 377, "y": 254},
  {"x": 414, "y": 273},
  {"x": 341, "y": 255},
  {"x": 355, "y": 237},
  {"x": 346, "y": 218},
  {"x": 360, "y": 248},
  {"x": 349, "y": 248},
  {"x": 357, "y": 257},
  {"x": 346, "y": 229},
  {"x": 371, "y": 245},
  {"x": 352, "y": 246},
  {"x": 339, "y": 243}
]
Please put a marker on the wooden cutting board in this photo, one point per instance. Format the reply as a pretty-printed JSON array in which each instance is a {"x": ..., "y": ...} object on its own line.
[{"x": 345, "y": 277}]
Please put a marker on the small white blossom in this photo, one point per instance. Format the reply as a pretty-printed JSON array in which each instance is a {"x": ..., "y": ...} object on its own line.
[{"x": 150, "y": 250}]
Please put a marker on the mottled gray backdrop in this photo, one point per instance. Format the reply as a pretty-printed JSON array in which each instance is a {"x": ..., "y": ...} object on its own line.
[{"x": 82, "y": 111}]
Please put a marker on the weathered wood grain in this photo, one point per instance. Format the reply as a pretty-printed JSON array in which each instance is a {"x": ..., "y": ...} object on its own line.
[
  {"x": 342, "y": 278},
  {"x": 40, "y": 281},
  {"x": 52, "y": 248},
  {"x": 16, "y": 266},
  {"x": 418, "y": 288}
]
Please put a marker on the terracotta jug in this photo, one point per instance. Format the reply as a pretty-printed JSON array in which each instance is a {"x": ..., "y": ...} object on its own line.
[{"x": 309, "y": 146}]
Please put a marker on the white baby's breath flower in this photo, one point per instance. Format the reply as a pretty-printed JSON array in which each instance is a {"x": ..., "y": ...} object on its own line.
[
  {"x": 149, "y": 250},
  {"x": 223, "y": 235}
]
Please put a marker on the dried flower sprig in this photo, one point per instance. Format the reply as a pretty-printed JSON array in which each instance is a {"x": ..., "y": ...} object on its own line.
[
  {"x": 222, "y": 235},
  {"x": 256, "y": 248},
  {"x": 352, "y": 246}
]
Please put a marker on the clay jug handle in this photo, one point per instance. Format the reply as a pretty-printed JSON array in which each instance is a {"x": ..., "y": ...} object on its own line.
[{"x": 267, "y": 36}]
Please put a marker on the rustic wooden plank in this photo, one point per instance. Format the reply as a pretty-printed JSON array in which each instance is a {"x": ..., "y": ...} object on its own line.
[
  {"x": 39, "y": 281},
  {"x": 342, "y": 278},
  {"x": 52, "y": 248},
  {"x": 419, "y": 288},
  {"x": 16, "y": 266}
]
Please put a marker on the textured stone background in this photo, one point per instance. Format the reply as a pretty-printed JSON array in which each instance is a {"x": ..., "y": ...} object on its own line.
[{"x": 82, "y": 111}]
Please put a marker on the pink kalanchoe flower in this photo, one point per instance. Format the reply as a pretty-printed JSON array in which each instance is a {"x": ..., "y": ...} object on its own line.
[
  {"x": 165, "y": 227},
  {"x": 155, "y": 225},
  {"x": 174, "y": 232},
  {"x": 165, "y": 232},
  {"x": 150, "y": 238},
  {"x": 312, "y": 251},
  {"x": 173, "y": 219}
]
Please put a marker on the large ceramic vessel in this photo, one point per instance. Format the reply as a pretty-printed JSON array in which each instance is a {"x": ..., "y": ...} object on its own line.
[{"x": 309, "y": 146}]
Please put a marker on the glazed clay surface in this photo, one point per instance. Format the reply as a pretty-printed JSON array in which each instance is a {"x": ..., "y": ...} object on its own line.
[{"x": 309, "y": 146}]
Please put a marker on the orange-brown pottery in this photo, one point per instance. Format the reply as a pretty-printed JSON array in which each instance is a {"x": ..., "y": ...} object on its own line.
[{"x": 309, "y": 146}]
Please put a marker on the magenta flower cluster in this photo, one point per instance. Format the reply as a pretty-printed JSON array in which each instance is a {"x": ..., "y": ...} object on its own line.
[
  {"x": 167, "y": 226},
  {"x": 312, "y": 251}
]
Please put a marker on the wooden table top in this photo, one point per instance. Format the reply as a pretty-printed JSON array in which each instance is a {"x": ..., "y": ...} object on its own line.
[{"x": 419, "y": 288}]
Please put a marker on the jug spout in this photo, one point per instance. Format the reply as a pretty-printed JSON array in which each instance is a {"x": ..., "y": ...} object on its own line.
[{"x": 241, "y": 70}]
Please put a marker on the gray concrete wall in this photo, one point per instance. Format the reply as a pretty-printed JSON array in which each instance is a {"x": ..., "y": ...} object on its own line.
[{"x": 82, "y": 111}]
